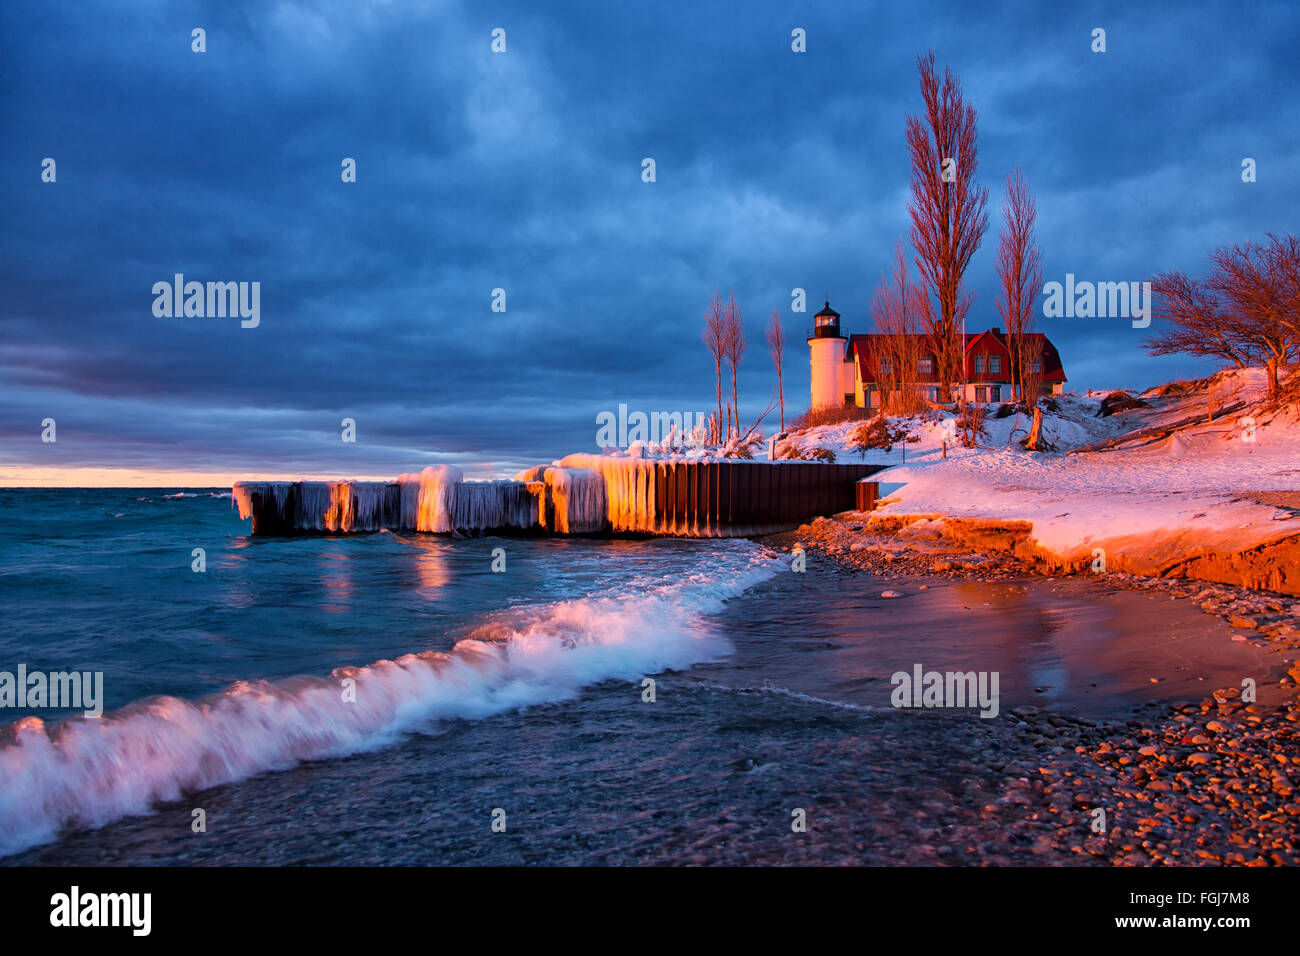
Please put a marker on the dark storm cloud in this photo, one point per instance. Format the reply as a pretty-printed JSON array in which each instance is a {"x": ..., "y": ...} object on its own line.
[{"x": 522, "y": 171}]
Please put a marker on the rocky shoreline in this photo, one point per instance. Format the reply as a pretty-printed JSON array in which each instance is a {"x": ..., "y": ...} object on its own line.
[{"x": 1208, "y": 782}]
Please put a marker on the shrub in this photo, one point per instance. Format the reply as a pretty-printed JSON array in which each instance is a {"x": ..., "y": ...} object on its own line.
[
  {"x": 970, "y": 424},
  {"x": 1173, "y": 388},
  {"x": 878, "y": 433},
  {"x": 828, "y": 416},
  {"x": 1117, "y": 402},
  {"x": 788, "y": 452}
]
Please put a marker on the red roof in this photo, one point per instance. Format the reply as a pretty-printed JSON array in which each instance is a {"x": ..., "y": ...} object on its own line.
[{"x": 861, "y": 348}]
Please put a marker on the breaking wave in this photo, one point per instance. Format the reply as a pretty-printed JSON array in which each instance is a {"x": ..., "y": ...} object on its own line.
[{"x": 89, "y": 772}]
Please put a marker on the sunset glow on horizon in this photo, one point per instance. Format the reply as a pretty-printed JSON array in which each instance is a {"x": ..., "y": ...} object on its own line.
[{"x": 17, "y": 476}]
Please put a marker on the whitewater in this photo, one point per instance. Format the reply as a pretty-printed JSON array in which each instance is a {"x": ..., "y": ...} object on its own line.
[{"x": 600, "y": 612}]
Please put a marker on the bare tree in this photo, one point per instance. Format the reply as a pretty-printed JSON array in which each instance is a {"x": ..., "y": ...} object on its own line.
[
  {"x": 1030, "y": 357},
  {"x": 776, "y": 345},
  {"x": 1284, "y": 274},
  {"x": 746, "y": 435},
  {"x": 948, "y": 211},
  {"x": 1245, "y": 310},
  {"x": 1020, "y": 275},
  {"x": 715, "y": 338},
  {"x": 1194, "y": 323},
  {"x": 895, "y": 308},
  {"x": 1255, "y": 284},
  {"x": 970, "y": 424},
  {"x": 733, "y": 350}
]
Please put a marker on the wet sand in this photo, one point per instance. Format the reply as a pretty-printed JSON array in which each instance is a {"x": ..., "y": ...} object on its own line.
[
  {"x": 1072, "y": 645},
  {"x": 1123, "y": 737}
]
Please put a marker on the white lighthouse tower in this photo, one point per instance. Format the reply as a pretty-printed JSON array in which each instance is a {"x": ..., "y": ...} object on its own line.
[{"x": 826, "y": 352}]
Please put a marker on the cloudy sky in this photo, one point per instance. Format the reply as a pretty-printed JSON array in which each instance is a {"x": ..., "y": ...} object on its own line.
[{"x": 522, "y": 170}]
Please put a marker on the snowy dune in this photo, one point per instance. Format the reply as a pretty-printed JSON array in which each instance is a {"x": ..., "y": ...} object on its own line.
[{"x": 1147, "y": 505}]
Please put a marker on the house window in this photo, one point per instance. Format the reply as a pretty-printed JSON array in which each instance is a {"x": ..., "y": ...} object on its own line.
[
  {"x": 1037, "y": 366},
  {"x": 886, "y": 366},
  {"x": 924, "y": 366},
  {"x": 979, "y": 365},
  {"x": 995, "y": 364},
  {"x": 981, "y": 393},
  {"x": 995, "y": 393}
]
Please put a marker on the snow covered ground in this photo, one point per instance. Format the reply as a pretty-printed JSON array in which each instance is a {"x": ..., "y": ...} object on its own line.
[{"x": 1194, "y": 491}]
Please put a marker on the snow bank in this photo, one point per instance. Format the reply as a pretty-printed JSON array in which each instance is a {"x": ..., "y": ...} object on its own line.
[{"x": 1154, "y": 505}]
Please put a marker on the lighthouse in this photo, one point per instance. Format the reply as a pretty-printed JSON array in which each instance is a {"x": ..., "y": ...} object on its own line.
[{"x": 826, "y": 354}]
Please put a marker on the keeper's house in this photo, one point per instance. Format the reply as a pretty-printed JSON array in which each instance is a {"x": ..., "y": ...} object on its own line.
[{"x": 846, "y": 370}]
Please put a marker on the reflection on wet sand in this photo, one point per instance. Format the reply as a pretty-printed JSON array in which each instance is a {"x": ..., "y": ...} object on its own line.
[{"x": 1069, "y": 645}]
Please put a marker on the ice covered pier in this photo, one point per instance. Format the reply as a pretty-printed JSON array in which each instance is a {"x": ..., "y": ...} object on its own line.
[{"x": 582, "y": 494}]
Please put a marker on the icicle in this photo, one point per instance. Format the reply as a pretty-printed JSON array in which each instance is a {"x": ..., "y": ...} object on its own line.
[
  {"x": 242, "y": 497},
  {"x": 316, "y": 505},
  {"x": 576, "y": 500},
  {"x": 275, "y": 498},
  {"x": 629, "y": 489},
  {"x": 429, "y": 497},
  {"x": 491, "y": 505},
  {"x": 357, "y": 506},
  {"x": 579, "y": 499}
]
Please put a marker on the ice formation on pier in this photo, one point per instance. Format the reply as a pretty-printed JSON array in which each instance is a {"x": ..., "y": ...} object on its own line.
[
  {"x": 577, "y": 502},
  {"x": 437, "y": 499},
  {"x": 629, "y": 489},
  {"x": 320, "y": 505},
  {"x": 493, "y": 505},
  {"x": 580, "y": 494},
  {"x": 428, "y": 499}
]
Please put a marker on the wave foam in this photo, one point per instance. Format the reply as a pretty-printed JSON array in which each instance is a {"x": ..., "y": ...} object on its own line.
[{"x": 88, "y": 772}]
